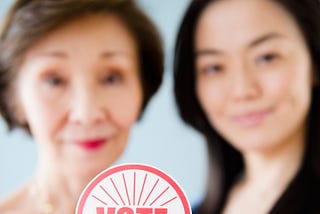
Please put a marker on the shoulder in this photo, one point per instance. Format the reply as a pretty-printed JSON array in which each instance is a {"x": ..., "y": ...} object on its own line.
[
  {"x": 302, "y": 195},
  {"x": 15, "y": 202},
  {"x": 311, "y": 201}
]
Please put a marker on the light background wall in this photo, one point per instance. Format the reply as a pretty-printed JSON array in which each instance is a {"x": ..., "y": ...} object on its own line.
[{"x": 160, "y": 139}]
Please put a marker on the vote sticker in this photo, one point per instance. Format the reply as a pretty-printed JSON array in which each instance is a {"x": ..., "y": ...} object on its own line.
[{"x": 133, "y": 189}]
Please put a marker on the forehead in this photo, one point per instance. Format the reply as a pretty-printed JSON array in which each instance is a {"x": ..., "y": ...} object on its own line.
[
  {"x": 239, "y": 21},
  {"x": 92, "y": 33}
]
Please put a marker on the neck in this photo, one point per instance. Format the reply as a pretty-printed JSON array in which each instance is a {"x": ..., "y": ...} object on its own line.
[
  {"x": 276, "y": 167},
  {"x": 57, "y": 190}
]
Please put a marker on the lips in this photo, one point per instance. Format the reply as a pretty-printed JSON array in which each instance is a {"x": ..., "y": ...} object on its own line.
[
  {"x": 89, "y": 145},
  {"x": 251, "y": 118}
]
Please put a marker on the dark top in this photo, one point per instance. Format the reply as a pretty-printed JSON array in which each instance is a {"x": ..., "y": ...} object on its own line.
[{"x": 302, "y": 196}]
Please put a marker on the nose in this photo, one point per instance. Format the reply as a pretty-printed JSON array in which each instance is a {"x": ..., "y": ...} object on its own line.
[
  {"x": 86, "y": 108},
  {"x": 244, "y": 84}
]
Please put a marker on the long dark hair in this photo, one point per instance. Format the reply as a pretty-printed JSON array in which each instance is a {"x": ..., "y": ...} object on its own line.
[{"x": 225, "y": 163}]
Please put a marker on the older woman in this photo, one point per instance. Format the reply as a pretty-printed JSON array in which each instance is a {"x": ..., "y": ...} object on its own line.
[{"x": 76, "y": 75}]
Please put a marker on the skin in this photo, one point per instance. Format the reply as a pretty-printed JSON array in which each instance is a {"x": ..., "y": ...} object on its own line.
[
  {"x": 79, "y": 90},
  {"x": 254, "y": 84}
]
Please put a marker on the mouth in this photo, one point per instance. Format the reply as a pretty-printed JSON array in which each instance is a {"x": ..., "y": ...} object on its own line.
[
  {"x": 251, "y": 118},
  {"x": 92, "y": 144}
]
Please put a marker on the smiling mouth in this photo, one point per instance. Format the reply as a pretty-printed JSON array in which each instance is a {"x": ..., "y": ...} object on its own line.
[
  {"x": 253, "y": 118},
  {"x": 90, "y": 145}
]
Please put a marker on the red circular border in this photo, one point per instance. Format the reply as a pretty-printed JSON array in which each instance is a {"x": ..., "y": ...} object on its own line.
[{"x": 143, "y": 167}]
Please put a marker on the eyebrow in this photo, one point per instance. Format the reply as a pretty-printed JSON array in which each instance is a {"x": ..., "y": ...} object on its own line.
[
  {"x": 63, "y": 55},
  {"x": 208, "y": 51},
  {"x": 54, "y": 54},
  {"x": 255, "y": 42},
  {"x": 109, "y": 54},
  {"x": 264, "y": 38}
]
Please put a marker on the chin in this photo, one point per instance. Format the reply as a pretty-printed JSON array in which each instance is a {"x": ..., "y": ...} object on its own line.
[
  {"x": 255, "y": 146},
  {"x": 253, "y": 142}
]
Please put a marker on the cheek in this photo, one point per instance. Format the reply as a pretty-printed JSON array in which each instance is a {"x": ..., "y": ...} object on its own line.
[
  {"x": 125, "y": 108},
  {"x": 293, "y": 85},
  {"x": 276, "y": 85},
  {"x": 42, "y": 121},
  {"x": 38, "y": 112},
  {"x": 211, "y": 97}
]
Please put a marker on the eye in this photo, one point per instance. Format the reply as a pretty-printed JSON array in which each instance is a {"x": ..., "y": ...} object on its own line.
[
  {"x": 54, "y": 80},
  {"x": 112, "y": 78},
  {"x": 212, "y": 69},
  {"x": 268, "y": 58}
]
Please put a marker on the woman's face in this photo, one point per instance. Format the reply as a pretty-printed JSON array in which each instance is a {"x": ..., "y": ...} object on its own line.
[
  {"x": 79, "y": 90},
  {"x": 253, "y": 73}
]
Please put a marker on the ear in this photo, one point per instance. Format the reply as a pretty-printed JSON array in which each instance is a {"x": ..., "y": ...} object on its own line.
[
  {"x": 16, "y": 107},
  {"x": 20, "y": 115}
]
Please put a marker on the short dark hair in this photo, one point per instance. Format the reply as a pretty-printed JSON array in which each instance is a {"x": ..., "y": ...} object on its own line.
[
  {"x": 28, "y": 20},
  {"x": 225, "y": 162}
]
